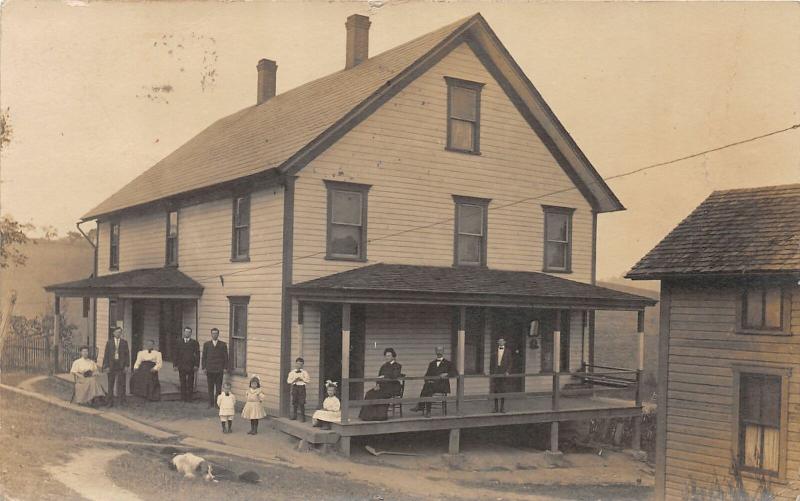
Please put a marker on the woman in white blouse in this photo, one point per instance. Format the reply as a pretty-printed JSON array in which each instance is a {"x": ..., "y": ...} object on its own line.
[
  {"x": 144, "y": 380},
  {"x": 87, "y": 384}
]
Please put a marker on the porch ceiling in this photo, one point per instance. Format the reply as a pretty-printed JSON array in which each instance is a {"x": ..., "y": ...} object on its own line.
[
  {"x": 396, "y": 283},
  {"x": 149, "y": 282}
]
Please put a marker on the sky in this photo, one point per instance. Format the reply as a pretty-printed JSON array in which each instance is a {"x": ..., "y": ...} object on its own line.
[{"x": 96, "y": 93}]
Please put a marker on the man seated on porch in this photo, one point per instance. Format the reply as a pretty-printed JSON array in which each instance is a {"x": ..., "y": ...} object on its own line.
[
  {"x": 439, "y": 368},
  {"x": 87, "y": 384},
  {"x": 144, "y": 380},
  {"x": 390, "y": 371}
]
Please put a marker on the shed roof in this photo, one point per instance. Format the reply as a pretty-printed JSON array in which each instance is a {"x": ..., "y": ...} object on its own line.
[
  {"x": 148, "y": 282},
  {"x": 744, "y": 231},
  {"x": 280, "y": 131},
  {"x": 463, "y": 285}
]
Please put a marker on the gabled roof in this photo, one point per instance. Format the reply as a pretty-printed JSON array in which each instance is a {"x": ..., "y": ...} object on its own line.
[
  {"x": 462, "y": 285},
  {"x": 745, "y": 231},
  {"x": 148, "y": 282},
  {"x": 287, "y": 131}
]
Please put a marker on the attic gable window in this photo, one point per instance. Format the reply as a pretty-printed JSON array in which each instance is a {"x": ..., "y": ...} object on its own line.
[
  {"x": 557, "y": 239},
  {"x": 347, "y": 221},
  {"x": 765, "y": 309},
  {"x": 240, "y": 244},
  {"x": 113, "y": 247},
  {"x": 463, "y": 115}
]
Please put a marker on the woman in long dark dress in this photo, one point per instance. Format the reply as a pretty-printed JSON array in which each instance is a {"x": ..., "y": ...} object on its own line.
[
  {"x": 390, "y": 371},
  {"x": 144, "y": 380}
]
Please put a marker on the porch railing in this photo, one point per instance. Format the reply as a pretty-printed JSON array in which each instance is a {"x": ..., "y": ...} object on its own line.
[{"x": 593, "y": 377}]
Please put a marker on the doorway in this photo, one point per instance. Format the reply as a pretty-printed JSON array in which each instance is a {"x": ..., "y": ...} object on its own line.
[
  {"x": 512, "y": 325},
  {"x": 170, "y": 327},
  {"x": 331, "y": 347},
  {"x": 137, "y": 328}
]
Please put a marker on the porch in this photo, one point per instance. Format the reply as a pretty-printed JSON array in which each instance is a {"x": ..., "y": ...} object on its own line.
[
  {"x": 346, "y": 320},
  {"x": 148, "y": 304}
]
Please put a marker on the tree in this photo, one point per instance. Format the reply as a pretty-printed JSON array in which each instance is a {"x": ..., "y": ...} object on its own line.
[{"x": 12, "y": 236}]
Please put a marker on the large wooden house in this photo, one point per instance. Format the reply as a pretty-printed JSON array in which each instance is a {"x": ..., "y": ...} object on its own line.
[
  {"x": 729, "y": 367},
  {"x": 424, "y": 196}
]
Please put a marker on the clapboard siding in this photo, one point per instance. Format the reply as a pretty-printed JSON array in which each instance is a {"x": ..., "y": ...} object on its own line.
[
  {"x": 204, "y": 253},
  {"x": 399, "y": 150},
  {"x": 414, "y": 332},
  {"x": 703, "y": 349}
]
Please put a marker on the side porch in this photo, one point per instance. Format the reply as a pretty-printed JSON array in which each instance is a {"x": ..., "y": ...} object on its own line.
[{"x": 341, "y": 333}]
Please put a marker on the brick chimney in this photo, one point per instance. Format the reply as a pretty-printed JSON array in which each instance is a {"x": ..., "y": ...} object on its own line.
[
  {"x": 357, "y": 40},
  {"x": 267, "y": 74}
]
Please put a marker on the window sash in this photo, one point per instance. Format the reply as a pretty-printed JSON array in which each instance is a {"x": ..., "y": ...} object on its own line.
[
  {"x": 762, "y": 308},
  {"x": 339, "y": 196},
  {"x": 238, "y": 335},
  {"x": 463, "y": 115},
  {"x": 240, "y": 245},
  {"x": 471, "y": 242},
  {"x": 113, "y": 259},
  {"x": 557, "y": 239},
  {"x": 760, "y": 414},
  {"x": 172, "y": 238},
  {"x": 346, "y": 237}
]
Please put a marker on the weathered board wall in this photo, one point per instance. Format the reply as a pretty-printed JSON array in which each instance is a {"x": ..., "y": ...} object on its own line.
[{"x": 704, "y": 347}]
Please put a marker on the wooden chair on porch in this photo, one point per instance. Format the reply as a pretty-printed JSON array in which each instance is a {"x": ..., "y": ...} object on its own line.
[
  {"x": 441, "y": 403},
  {"x": 395, "y": 406}
]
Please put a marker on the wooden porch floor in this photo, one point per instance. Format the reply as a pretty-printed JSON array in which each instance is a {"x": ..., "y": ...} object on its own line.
[{"x": 473, "y": 414}]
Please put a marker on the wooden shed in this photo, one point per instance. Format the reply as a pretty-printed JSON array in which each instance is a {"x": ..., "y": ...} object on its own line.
[{"x": 729, "y": 352}]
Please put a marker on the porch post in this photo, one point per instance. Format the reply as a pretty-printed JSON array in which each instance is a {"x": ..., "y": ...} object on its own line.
[
  {"x": 636, "y": 440},
  {"x": 345, "y": 363},
  {"x": 556, "y": 385},
  {"x": 455, "y": 436},
  {"x": 56, "y": 335},
  {"x": 462, "y": 322},
  {"x": 591, "y": 339}
]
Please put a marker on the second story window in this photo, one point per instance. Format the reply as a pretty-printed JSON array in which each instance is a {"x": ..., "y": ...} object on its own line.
[
  {"x": 240, "y": 244},
  {"x": 172, "y": 238},
  {"x": 765, "y": 309},
  {"x": 471, "y": 226},
  {"x": 463, "y": 115},
  {"x": 347, "y": 221},
  {"x": 113, "y": 240},
  {"x": 558, "y": 239}
]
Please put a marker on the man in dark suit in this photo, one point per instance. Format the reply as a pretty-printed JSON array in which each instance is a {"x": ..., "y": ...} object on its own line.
[
  {"x": 214, "y": 362},
  {"x": 441, "y": 369},
  {"x": 500, "y": 363},
  {"x": 187, "y": 360},
  {"x": 116, "y": 359}
]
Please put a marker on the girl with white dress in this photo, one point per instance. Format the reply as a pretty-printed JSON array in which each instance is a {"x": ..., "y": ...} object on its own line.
[
  {"x": 253, "y": 407},
  {"x": 331, "y": 408}
]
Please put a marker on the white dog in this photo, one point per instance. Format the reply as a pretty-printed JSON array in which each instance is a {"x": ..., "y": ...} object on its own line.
[{"x": 189, "y": 464}]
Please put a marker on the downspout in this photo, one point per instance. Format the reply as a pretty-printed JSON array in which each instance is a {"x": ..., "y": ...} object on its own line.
[{"x": 95, "y": 246}]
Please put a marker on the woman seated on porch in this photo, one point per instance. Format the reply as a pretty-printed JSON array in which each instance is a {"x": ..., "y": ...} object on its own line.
[
  {"x": 391, "y": 371},
  {"x": 144, "y": 380},
  {"x": 87, "y": 383}
]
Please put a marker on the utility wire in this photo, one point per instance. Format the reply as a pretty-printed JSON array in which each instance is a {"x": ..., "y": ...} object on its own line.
[{"x": 519, "y": 201}]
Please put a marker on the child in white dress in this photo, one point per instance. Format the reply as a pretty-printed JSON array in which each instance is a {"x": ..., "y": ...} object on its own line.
[
  {"x": 226, "y": 401},
  {"x": 331, "y": 408},
  {"x": 253, "y": 407}
]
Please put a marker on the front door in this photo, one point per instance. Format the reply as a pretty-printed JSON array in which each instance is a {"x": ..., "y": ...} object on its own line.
[
  {"x": 331, "y": 347},
  {"x": 170, "y": 327},
  {"x": 137, "y": 328},
  {"x": 512, "y": 325}
]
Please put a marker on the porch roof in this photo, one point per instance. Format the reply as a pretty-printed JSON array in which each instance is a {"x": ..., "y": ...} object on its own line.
[
  {"x": 148, "y": 282},
  {"x": 397, "y": 283}
]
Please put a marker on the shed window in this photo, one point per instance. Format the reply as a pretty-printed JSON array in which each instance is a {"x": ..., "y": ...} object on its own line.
[
  {"x": 470, "y": 230},
  {"x": 760, "y": 422},
  {"x": 558, "y": 239},
  {"x": 238, "y": 334},
  {"x": 113, "y": 258},
  {"x": 240, "y": 246},
  {"x": 172, "y": 238},
  {"x": 347, "y": 221},
  {"x": 463, "y": 115},
  {"x": 763, "y": 309}
]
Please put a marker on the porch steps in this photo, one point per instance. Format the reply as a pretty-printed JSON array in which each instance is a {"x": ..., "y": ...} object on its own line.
[{"x": 304, "y": 431}]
